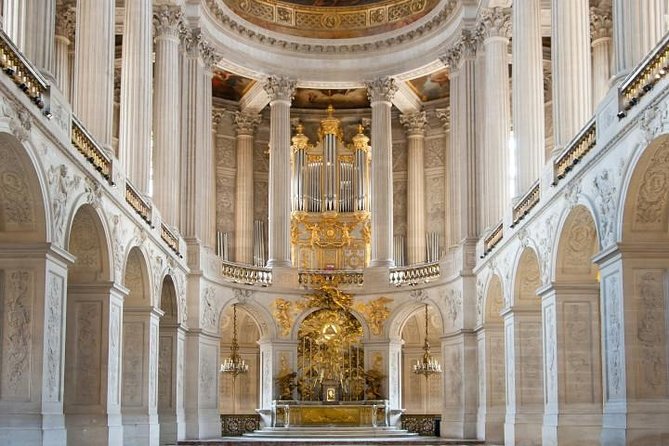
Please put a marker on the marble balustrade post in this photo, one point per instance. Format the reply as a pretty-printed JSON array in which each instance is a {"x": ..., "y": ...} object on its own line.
[
  {"x": 166, "y": 113},
  {"x": 494, "y": 26},
  {"x": 93, "y": 97},
  {"x": 571, "y": 59},
  {"x": 380, "y": 92},
  {"x": 64, "y": 38},
  {"x": 136, "y": 114},
  {"x": 637, "y": 27},
  {"x": 600, "y": 32},
  {"x": 280, "y": 91},
  {"x": 527, "y": 94},
  {"x": 245, "y": 125},
  {"x": 415, "y": 124}
]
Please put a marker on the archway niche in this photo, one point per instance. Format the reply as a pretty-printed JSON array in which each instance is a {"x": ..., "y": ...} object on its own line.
[
  {"x": 490, "y": 337},
  {"x": 524, "y": 355},
  {"x": 421, "y": 395},
  {"x": 170, "y": 367},
  {"x": 635, "y": 305},
  {"x": 244, "y": 398},
  {"x": 93, "y": 351},
  {"x": 32, "y": 286},
  {"x": 140, "y": 354},
  {"x": 571, "y": 324}
]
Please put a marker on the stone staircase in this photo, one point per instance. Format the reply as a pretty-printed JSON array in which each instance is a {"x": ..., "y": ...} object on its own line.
[{"x": 331, "y": 432}]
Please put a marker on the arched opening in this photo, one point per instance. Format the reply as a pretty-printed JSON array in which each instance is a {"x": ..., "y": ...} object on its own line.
[
  {"x": 240, "y": 394},
  {"x": 421, "y": 394},
  {"x": 571, "y": 324},
  {"x": 93, "y": 352},
  {"x": 524, "y": 355},
  {"x": 635, "y": 304},
  {"x": 140, "y": 355},
  {"x": 170, "y": 367},
  {"x": 490, "y": 336},
  {"x": 31, "y": 320}
]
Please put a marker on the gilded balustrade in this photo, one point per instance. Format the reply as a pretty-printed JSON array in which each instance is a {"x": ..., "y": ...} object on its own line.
[
  {"x": 316, "y": 278},
  {"x": 137, "y": 202},
  {"x": 22, "y": 72},
  {"x": 170, "y": 238},
  {"x": 576, "y": 150},
  {"x": 246, "y": 274},
  {"x": 86, "y": 145},
  {"x": 525, "y": 205},
  {"x": 652, "y": 69},
  {"x": 493, "y": 239}
]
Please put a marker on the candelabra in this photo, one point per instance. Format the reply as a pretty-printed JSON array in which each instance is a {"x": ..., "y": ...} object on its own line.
[
  {"x": 428, "y": 365},
  {"x": 234, "y": 364}
]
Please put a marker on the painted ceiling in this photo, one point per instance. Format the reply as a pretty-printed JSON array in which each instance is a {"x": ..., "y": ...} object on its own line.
[
  {"x": 431, "y": 87},
  {"x": 340, "y": 99},
  {"x": 226, "y": 85}
]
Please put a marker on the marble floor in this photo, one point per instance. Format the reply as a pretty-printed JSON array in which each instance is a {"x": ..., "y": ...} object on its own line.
[{"x": 418, "y": 441}]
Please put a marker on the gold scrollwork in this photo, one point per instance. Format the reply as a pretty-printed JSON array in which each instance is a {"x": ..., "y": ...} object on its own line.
[{"x": 375, "y": 313}]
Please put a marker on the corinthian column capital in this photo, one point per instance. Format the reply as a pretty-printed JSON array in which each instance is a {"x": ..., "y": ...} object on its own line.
[
  {"x": 246, "y": 123},
  {"x": 444, "y": 115},
  {"x": 414, "y": 123},
  {"x": 601, "y": 23},
  {"x": 167, "y": 21},
  {"x": 495, "y": 22},
  {"x": 464, "y": 47},
  {"x": 280, "y": 88},
  {"x": 381, "y": 89},
  {"x": 196, "y": 46},
  {"x": 66, "y": 20}
]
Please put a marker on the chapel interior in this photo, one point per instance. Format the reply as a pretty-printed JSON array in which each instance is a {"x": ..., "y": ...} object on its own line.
[{"x": 409, "y": 221}]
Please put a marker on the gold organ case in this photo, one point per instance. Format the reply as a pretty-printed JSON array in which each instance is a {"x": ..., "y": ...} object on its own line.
[{"x": 330, "y": 221}]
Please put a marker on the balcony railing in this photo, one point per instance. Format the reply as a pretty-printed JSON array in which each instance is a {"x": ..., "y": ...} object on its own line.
[
  {"x": 137, "y": 202},
  {"x": 86, "y": 145},
  {"x": 576, "y": 150},
  {"x": 22, "y": 72},
  {"x": 246, "y": 274},
  {"x": 415, "y": 274},
  {"x": 652, "y": 69},
  {"x": 493, "y": 239},
  {"x": 315, "y": 278},
  {"x": 170, "y": 238},
  {"x": 525, "y": 205}
]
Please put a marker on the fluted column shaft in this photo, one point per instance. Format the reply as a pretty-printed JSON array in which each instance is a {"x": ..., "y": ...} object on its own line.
[
  {"x": 497, "y": 112},
  {"x": 245, "y": 124},
  {"x": 638, "y": 27},
  {"x": 280, "y": 91},
  {"x": 14, "y": 21},
  {"x": 64, "y": 37},
  {"x": 600, "y": 31},
  {"x": 415, "y": 127},
  {"x": 94, "y": 68},
  {"x": 381, "y": 92},
  {"x": 136, "y": 98},
  {"x": 199, "y": 201},
  {"x": 527, "y": 93},
  {"x": 166, "y": 116},
  {"x": 39, "y": 42},
  {"x": 444, "y": 115},
  {"x": 572, "y": 80}
]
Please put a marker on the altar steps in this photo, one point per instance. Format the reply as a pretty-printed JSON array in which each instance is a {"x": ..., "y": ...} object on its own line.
[{"x": 331, "y": 432}]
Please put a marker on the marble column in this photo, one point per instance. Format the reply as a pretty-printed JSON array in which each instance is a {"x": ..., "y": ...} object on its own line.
[
  {"x": 444, "y": 115},
  {"x": 484, "y": 179},
  {"x": 166, "y": 113},
  {"x": 198, "y": 208},
  {"x": 527, "y": 94},
  {"x": 40, "y": 20},
  {"x": 600, "y": 32},
  {"x": 245, "y": 124},
  {"x": 94, "y": 82},
  {"x": 14, "y": 21},
  {"x": 280, "y": 91},
  {"x": 64, "y": 37},
  {"x": 136, "y": 99},
  {"x": 170, "y": 383},
  {"x": 572, "y": 82},
  {"x": 415, "y": 124},
  {"x": 637, "y": 27},
  {"x": 380, "y": 92},
  {"x": 572, "y": 364},
  {"x": 495, "y": 25},
  {"x": 464, "y": 212},
  {"x": 201, "y": 385},
  {"x": 139, "y": 397},
  {"x": 491, "y": 411},
  {"x": 459, "y": 352}
]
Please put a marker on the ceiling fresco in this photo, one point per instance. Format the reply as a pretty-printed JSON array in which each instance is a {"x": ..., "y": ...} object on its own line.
[
  {"x": 340, "y": 99},
  {"x": 226, "y": 85},
  {"x": 331, "y": 19},
  {"x": 431, "y": 87}
]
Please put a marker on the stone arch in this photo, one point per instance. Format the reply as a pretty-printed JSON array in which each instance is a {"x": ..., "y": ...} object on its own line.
[
  {"x": 576, "y": 245},
  {"x": 404, "y": 311},
  {"x": 494, "y": 300},
  {"x": 260, "y": 314},
  {"x": 88, "y": 241},
  {"x": 23, "y": 213},
  {"x": 527, "y": 279},
  {"x": 645, "y": 210},
  {"x": 136, "y": 279},
  {"x": 366, "y": 332},
  {"x": 168, "y": 301}
]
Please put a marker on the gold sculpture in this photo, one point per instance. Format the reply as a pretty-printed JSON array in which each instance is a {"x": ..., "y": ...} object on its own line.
[
  {"x": 375, "y": 313},
  {"x": 283, "y": 313}
]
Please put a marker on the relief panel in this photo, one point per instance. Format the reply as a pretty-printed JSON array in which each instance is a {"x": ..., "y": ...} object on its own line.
[
  {"x": 578, "y": 353},
  {"x": 88, "y": 357},
  {"x": 166, "y": 358},
  {"x": 530, "y": 362},
  {"x": 54, "y": 321},
  {"x": 133, "y": 363}
]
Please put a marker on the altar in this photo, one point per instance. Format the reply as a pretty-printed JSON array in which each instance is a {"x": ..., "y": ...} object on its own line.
[{"x": 371, "y": 413}]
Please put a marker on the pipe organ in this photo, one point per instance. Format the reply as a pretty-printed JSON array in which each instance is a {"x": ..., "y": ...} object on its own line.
[{"x": 330, "y": 224}]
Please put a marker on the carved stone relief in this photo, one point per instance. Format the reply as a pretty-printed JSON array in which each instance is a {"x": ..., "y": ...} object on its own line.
[
  {"x": 435, "y": 208},
  {"x": 434, "y": 153},
  {"x": 530, "y": 363},
  {"x": 578, "y": 347},
  {"x": 605, "y": 200},
  {"x": 400, "y": 207},
  {"x": 209, "y": 312},
  {"x": 544, "y": 242},
  {"x": 580, "y": 243},
  {"x": 15, "y": 196},
  {"x": 134, "y": 341},
  {"x": 62, "y": 186},
  {"x": 20, "y": 120},
  {"x": 207, "y": 377},
  {"x": 153, "y": 367},
  {"x": 54, "y": 319},
  {"x": 260, "y": 200},
  {"x": 651, "y": 210},
  {"x": 399, "y": 157},
  {"x": 166, "y": 358},
  {"x": 651, "y": 334},
  {"x": 551, "y": 352},
  {"x": 613, "y": 338},
  {"x": 118, "y": 235},
  {"x": 225, "y": 151},
  {"x": 87, "y": 378},
  {"x": 453, "y": 376},
  {"x": 225, "y": 203},
  {"x": 453, "y": 305},
  {"x": 17, "y": 335}
]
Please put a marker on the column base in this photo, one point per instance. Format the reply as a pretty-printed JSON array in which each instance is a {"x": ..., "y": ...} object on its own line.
[
  {"x": 490, "y": 426},
  {"x": 625, "y": 424},
  {"x": 172, "y": 429},
  {"x": 141, "y": 429},
  {"x": 523, "y": 429},
  {"x": 94, "y": 430},
  {"x": 571, "y": 429},
  {"x": 462, "y": 429},
  {"x": 273, "y": 263},
  {"x": 36, "y": 436},
  {"x": 203, "y": 424},
  {"x": 387, "y": 263}
]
